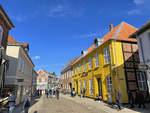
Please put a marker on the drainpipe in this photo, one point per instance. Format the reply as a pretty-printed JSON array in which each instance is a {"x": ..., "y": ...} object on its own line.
[{"x": 120, "y": 99}]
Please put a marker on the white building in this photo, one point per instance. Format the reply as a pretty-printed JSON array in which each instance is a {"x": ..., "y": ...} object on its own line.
[
  {"x": 19, "y": 74},
  {"x": 143, "y": 38}
]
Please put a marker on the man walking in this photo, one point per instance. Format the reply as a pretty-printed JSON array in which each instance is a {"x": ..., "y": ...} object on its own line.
[
  {"x": 57, "y": 94},
  {"x": 11, "y": 102}
]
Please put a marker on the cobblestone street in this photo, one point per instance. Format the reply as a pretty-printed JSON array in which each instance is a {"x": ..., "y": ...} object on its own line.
[
  {"x": 66, "y": 104},
  {"x": 63, "y": 105}
]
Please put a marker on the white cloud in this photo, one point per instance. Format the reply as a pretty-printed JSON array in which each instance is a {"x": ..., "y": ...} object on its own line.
[
  {"x": 141, "y": 7},
  {"x": 19, "y": 18},
  {"x": 93, "y": 35},
  {"x": 135, "y": 12},
  {"x": 36, "y": 57},
  {"x": 139, "y": 2}
]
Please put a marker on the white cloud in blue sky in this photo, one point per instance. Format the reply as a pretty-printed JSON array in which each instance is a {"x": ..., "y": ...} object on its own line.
[
  {"x": 36, "y": 57},
  {"x": 141, "y": 7}
]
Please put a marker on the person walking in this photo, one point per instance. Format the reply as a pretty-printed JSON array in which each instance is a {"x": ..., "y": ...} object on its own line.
[
  {"x": 26, "y": 103},
  {"x": 140, "y": 99},
  {"x": 57, "y": 94},
  {"x": 131, "y": 99},
  {"x": 11, "y": 102}
]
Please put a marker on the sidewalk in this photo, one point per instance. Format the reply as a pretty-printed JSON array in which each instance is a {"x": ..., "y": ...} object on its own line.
[{"x": 105, "y": 107}]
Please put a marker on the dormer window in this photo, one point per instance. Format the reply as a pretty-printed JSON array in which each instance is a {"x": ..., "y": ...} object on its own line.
[
  {"x": 1, "y": 34},
  {"x": 98, "y": 42}
]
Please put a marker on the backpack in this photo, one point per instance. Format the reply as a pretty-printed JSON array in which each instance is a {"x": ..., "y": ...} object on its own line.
[{"x": 27, "y": 104}]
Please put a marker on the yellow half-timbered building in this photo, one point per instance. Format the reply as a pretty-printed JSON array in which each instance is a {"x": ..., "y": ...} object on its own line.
[{"x": 102, "y": 69}]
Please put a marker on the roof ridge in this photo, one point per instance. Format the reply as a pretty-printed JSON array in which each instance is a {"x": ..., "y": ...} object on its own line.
[
  {"x": 118, "y": 30},
  {"x": 129, "y": 24}
]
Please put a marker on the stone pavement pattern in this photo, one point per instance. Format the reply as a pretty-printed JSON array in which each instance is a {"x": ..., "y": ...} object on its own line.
[
  {"x": 61, "y": 106},
  {"x": 67, "y": 104}
]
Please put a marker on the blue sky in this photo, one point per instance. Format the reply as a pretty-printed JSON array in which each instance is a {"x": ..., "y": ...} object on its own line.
[{"x": 57, "y": 30}]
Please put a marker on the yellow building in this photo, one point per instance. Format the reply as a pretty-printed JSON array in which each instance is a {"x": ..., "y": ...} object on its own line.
[{"x": 103, "y": 68}]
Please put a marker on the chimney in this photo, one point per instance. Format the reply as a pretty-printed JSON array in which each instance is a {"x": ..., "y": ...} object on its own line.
[{"x": 111, "y": 27}]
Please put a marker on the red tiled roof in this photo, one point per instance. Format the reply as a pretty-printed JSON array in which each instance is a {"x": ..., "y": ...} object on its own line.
[
  {"x": 120, "y": 32},
  {"x": 11, "y": 40}
]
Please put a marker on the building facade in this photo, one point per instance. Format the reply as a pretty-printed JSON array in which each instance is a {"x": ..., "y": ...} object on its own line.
[
  {"x": 66, "y": 77},
  {"x": 42, "y": 80},
  {"x": 19, "y": 75},
  {"x": 109, "y": 67},
  {"x": 143, "y": 38},
  {"x": 5, "y": 26},
  {"x": 53, "y": 81}
]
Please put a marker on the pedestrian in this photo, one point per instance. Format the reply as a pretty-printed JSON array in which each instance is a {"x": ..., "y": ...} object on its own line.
[
  {"x": 140, "y": 99},
  {"x": 84, "y": 92},
  {"x": 26, "y": 103},
  {"x": 11, "y": 102},
  {"x": 81, "y": 94},
  {"x": 131, "y": 99},
  {"x": 118, "y": 97},
  {"x": 57, "y": 94}
]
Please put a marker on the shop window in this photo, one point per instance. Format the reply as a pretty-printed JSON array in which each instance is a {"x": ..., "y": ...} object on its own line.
[
  {"x": 141, "y": 81},
  {"x": 109, "y": 84}
]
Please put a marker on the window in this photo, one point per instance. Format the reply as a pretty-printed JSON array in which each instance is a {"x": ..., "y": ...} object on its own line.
[
  {"x": 91, "y": 86},
  {"x": 19, "y": 63},
  {"x": 141, "y": 81},
  {"x": 1, "y": 34},
  {"x": 96, "y": 60},
  {"x": 85, "y": 86},
  {"x": 84, "y": 65},
  {"x": 22, "y": 65},
  {"x": 79, "y": 67},
  {"x": 90, "y": 63},
  {"x": 109, "y": 84},
  {"x": 106, "y": 55}
]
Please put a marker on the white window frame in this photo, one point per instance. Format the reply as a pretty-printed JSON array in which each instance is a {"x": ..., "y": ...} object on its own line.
[
  {"x": 90, "y": 63},
  {"x": 96, "y": 60},
  {"x": 1, "y": 34},
  {"x": 106, "y": 55},
  {"x": 109, "y": 84},
  {"x": 91, "y": 87},
  {"x": 79, "y": 67},
  {"x": 84, "y": 64},
  {"x": 141, "y": 81}
]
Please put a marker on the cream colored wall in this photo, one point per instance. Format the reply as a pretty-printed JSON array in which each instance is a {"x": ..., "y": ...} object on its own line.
[{"x": 13, "y": 53}]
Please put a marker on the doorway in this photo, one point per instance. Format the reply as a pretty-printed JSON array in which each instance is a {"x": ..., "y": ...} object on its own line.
[{"x": 99, "y": 86}]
